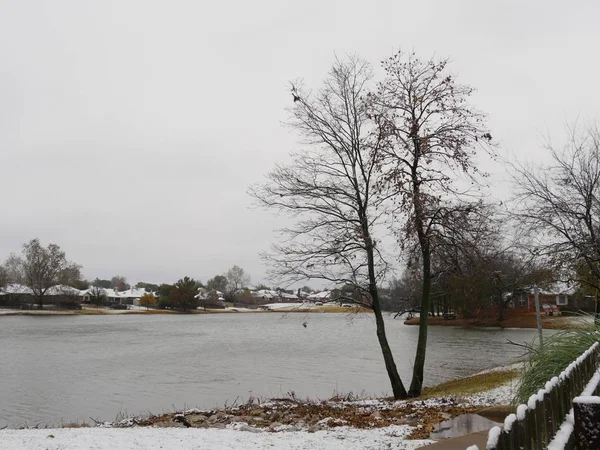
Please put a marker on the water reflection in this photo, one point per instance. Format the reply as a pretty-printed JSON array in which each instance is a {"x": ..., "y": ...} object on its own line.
[{"x": 461, "y": 425}]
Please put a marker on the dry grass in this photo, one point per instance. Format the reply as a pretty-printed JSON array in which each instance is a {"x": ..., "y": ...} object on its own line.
[
  {"x": 470, "y": 385},
  {"x": 75, "y": 425}
]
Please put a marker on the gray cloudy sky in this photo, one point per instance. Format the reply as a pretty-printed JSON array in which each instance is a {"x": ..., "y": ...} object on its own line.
[{"x": 130, "y": 129}]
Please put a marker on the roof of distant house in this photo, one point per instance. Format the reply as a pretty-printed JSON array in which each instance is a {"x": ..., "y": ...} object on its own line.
[{"x": 15, "y": 289}]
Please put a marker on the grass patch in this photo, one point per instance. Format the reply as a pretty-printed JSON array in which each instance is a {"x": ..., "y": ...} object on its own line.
[
  {"x": 558, "y": 352},
  {"x": 470, "y": 385}
]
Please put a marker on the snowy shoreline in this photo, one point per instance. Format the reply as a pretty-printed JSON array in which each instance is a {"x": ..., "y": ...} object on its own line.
[
  {"x": 269, "y": 308},
  {"x": 280, "y": 423}
]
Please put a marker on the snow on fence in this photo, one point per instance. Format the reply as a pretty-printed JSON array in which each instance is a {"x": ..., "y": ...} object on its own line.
[{"x": 550, "y": 416}]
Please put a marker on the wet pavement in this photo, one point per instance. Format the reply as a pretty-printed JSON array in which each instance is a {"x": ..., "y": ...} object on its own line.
[{"x": 462, "y": 425}]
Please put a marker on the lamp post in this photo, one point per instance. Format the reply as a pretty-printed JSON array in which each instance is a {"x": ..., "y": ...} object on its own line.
[{"x": 536, "y": 293}]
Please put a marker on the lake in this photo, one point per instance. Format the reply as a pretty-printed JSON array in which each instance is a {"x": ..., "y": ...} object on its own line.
[{"x": 65, "y": 369}]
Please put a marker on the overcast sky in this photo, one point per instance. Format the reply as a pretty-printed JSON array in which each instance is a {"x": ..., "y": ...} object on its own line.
[{"x": 131, "y": 129}]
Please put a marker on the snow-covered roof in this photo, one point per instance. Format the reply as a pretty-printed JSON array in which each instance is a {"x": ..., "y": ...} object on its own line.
[
  {"x": 203, "y": 294},
  {"x": 15, "y": 289},
  {"x": 265, "y": 293},
  {"x": 103, "y": 291},
  {"x": 320, "y": 295},
  {"x": 131, "y": 293},
  {"x": 61, "y": 289},
  {"x": 558, "y": 288}
]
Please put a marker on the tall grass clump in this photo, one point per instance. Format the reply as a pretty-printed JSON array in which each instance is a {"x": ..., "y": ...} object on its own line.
[{"x": 558, "y": 351}]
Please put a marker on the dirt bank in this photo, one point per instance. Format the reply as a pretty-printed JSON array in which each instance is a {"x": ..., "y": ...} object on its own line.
[{"x": 527, "y": 320}]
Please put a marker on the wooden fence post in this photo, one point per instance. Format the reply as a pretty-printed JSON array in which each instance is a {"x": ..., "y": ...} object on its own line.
[
  {"x": 551, "y": 413},
  {"x": 587, "y": 419}
]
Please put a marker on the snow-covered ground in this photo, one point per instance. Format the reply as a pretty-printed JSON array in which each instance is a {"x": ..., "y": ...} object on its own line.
[
  {"x": 341, "y": 438},
  {"x": 305, "y": 305},
  {"x": 239, "y": 435},
  {"x": 289, "y": 306}
]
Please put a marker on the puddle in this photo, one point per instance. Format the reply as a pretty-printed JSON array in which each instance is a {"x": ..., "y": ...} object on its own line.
[{"x": 461, "y": 425}]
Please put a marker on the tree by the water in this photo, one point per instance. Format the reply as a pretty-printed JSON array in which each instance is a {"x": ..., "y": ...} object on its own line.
[
  {"x": 237, "y": 279},
  {"x": 41, "y": 268},
  {"x": 329, "y": 187},
  {"x": 431, "y": 139},
  {"x": 182, "y": 295},
  {"x": 559, "y": 204},
  {"x": 217, "y": 283}
]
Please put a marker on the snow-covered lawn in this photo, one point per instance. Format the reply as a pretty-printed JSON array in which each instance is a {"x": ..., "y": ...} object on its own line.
[
  {"x": 289, "y": 306},
  {"x": 341, "y": 438},
  {"x": 240, "y": 435}
]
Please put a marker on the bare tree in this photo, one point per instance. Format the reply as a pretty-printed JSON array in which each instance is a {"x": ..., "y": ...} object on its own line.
[
  {"x": 97, "y": 295},
  {"x": 329, "y": 188},
  {"x": 478, "y": 259},
  {"x": 119, "y": 283},
  {"x": 432, "y": 135},
  {"x": 4, "y": 280},
  {"x": 237, "y": 279},
  {"x": 559, "y": 204},
  {"x": 40, "y": 268}
]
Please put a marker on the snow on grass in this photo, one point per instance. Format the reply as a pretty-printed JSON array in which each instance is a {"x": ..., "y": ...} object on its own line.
[
  {"x": 501, "y": 395},
  {"x": 341, "y": 438}
]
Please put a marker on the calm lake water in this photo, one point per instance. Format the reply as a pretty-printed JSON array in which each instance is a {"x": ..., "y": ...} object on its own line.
[{"x": 57, "y": 370}]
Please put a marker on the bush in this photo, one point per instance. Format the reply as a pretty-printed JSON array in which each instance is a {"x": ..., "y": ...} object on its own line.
[
  {"x": 164, "y": 303},
  {"x": 118, "y": 306},
  {"x": 558, "y": 352}
]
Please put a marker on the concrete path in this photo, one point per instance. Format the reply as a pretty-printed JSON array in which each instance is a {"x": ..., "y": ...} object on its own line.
[{"x": 460, "y": 443}]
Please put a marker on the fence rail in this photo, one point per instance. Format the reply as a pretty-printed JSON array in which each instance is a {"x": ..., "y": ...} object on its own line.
[{"x": 559, "y": 415}]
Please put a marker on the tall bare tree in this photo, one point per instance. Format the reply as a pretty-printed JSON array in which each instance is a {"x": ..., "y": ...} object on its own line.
[
  {"x": 40, "y": 268},
  {"x": 97, "y": 295},
  {"x": 329, "y": 188},
  {"x": 4, "y": 280},
  {"x": 431, "y": 135},
  {"x": 478, "y": 258},
  {"x": 237, "y": 279},
  {"x": 559, "y": 203}
]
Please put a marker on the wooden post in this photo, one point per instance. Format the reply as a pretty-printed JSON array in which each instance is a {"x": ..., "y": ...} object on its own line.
[
  {"x": 504, "y": 441},
  {"x": 540, "y": 427},
  {"x": 587, "y": 418},
  {"x": 551, "y": 414},
  {"x": 533, "y": 437},
  {"x": 538, "y": 315}
]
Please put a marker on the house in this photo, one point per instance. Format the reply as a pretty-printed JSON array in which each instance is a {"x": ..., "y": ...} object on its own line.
[
  {"x": 111, "y": 296},
  {"x": 265, "y": 294},
  {"x": 524, "y": 299},
  {"x": 130, "y": 296},
  {"x": 20, "y": 296},
  {"x": 323, "y": 296},
  {"x": 15, "y": 295},
  {"x": 212, "y": 299}
]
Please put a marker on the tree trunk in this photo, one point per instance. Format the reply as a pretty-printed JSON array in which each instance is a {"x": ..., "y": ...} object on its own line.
[
  {"x": 390, "y": 365},
  {"x": 392, "y": 371},
  {"x": 501, "y": 311},
  {"x": 416, "y": 383}
]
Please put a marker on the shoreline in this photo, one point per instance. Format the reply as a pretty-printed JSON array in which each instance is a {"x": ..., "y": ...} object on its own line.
[
  {"x": 289, "y": 422},
  {"x": 524, "y": 321},
  {"x": 143, "y": 311}
]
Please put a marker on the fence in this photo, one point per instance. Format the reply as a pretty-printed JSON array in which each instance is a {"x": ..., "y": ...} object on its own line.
[{"x": 560, "y": 416}]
